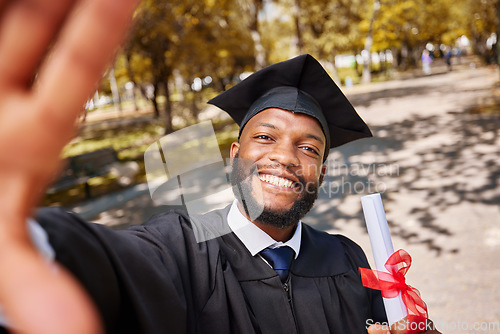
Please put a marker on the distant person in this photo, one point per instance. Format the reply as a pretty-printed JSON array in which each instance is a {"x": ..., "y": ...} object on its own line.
[
  {"x": 426, "y": 62},
  {"x": 459, "y": 55},
  {"x": 447, "y": 56}
]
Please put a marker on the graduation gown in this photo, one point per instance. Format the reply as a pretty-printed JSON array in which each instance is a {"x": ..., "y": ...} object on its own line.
[{"x": 155, "y": 278}]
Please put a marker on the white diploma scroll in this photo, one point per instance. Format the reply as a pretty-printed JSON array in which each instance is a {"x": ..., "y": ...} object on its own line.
[{"x": 382, "y": 249}]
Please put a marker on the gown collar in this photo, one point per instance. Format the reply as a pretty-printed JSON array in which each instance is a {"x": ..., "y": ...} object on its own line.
[{"x": 321, "y": 254}]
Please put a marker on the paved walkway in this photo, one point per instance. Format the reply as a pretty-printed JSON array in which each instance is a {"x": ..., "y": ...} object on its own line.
[{"x": 437, "y": 166}]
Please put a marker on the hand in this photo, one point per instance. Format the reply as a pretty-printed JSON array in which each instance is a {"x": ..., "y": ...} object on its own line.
[
  {"x": 400, "y": 328},
  {"x": 64, "y": 45}
]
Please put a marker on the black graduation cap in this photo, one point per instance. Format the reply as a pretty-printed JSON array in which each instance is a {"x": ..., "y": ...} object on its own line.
[{"x": 298, "y": 85}]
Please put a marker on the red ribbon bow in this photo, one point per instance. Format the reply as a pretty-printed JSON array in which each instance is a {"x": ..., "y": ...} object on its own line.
[{"x": 393, "y": 283}]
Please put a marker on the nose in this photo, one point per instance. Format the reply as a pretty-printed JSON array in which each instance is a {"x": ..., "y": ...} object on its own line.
[{"x": 285, "y": 154}]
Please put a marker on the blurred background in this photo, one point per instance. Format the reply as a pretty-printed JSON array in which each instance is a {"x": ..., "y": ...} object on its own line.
[{"x": 423, "y": 74}]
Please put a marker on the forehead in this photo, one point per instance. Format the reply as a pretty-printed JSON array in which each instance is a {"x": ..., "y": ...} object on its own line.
[{"x": 282, "y": 119}]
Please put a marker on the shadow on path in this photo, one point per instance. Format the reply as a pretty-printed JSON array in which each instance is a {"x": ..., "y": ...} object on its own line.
[{"x": 442, "y": 160}]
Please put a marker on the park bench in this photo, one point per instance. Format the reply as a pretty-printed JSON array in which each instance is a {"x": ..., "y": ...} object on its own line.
[{"x": 81, "y": 168}]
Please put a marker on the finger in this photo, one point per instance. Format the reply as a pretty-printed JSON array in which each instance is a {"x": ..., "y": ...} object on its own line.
[
  {"x": 400, "y": 327},
  {"x": 2, "y": 5},
  {"x": 38, "y": 299},
  {"x": 22, "y": 189},
  {"x": 431, "y": 328},
  {"x": 85, "y": 48},
  {"x": 26, "y": 29},
  {"x": 378, "y": 329}
]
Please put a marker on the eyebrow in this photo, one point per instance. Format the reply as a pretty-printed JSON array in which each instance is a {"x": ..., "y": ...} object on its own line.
[
  {"x": 268, "y": 125},
  {"x": 307, "y": 135}
]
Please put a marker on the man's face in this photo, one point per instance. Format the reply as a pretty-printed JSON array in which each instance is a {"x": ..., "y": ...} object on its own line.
[{"x": 287, "y": 151}]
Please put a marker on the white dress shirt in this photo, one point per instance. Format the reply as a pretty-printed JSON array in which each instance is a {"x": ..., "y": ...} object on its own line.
[{"x": 256, "y": 240}]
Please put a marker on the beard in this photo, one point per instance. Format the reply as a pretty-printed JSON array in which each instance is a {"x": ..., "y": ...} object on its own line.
[{"x": 241, "y": 178}]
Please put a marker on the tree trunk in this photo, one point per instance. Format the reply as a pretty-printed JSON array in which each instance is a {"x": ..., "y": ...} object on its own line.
[
  {"x": 404, "y": 56},
  {"x": 178, "y": 84},
  {"x": 367, "y": 61},
  {"x": 155, "y": 100},
  {"x": 96, "y": 98},
  {"x": 131, "y": 76},
  {"x": 394, "y": 53},
  {"x": 114, "y": 89},
  {"x": 260, "y": 53},
  {"x": 298, "y": 27},
  {"x": 367, "y": 57},
  {"x": 194, "y": 107},
  {"x": 383, "y": 64},
  {"x": 498, "y": 34},
  {"x": 134, "y": 96},
  {"x": 168, "y": 107}
]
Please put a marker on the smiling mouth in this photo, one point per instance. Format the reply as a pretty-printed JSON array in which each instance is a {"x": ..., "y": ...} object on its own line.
[{"x": 277, "y": 181}]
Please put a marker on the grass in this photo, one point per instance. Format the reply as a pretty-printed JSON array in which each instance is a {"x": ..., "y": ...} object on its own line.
[{"x": 377, "y": 74}]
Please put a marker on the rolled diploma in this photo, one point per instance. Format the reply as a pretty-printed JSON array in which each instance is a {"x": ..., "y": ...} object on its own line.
[{"x": 382, "y": 249}]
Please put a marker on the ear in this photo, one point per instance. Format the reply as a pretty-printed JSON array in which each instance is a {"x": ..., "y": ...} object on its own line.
[
  {"x": 235, "y": 147},
  {"x": 322, "y": 174}
]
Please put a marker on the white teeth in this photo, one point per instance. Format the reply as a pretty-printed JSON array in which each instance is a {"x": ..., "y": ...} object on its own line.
[{"x": 276, "y": 180}]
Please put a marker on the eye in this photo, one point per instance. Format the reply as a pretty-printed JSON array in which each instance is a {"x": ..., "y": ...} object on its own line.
[
  {"x": 310, "y": 149},
  {"x": 264, "y": 137}
]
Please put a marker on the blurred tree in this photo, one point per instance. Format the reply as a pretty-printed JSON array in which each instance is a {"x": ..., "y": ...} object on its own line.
[
  {"x": 117, "y": 101},
  {"x": 299, "y": 24},
  {"x": 155, "y": 37},
  {"x": 124, "y": 75},
  {"x": 251, "y": 9},
  {"x": 278, "y": 38},
  {"x": 222, "y": 39},
  {"x": 367, "y": 49},
  {"x": 197, "y": 38},
  {"x": 407, "y": 26},
  {"x": 328, "y": 28},
  {"x": 481, "y": 21},
  {"x": 217, "y": 44},
  {"x": 498, "y": 33}
]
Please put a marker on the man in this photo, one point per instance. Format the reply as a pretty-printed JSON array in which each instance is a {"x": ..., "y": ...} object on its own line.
[{"x": 157, "y": 278}]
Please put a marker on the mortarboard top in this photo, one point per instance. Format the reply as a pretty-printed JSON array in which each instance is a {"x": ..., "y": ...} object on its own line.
[{"x": 298, "y": 85}]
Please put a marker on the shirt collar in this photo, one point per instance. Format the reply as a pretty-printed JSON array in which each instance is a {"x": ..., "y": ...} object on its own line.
[{"x": 256, "y": 240}]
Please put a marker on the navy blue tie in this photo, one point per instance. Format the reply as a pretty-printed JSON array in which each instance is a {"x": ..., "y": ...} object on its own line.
[{"x": 280, "y": 259}]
